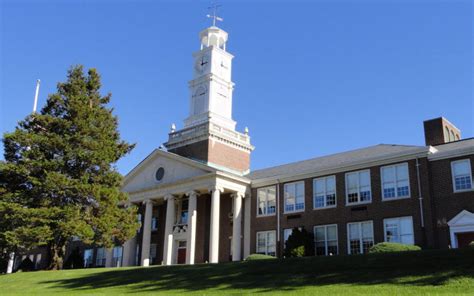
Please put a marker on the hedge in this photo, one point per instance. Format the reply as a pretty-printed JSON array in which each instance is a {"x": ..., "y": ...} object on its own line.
[
  {"x": 253, "y": 257},
  {"x": 392, "y": 247}
]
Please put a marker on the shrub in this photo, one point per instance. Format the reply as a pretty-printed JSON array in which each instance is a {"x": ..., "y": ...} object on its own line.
[
  {"x": 392, "y": 247},
  {"x": 253, "y": 257},
  {"x": 297, "y": 252},
  {"x": 471, "y": 245},
  {"x": 300, "y": 243}
]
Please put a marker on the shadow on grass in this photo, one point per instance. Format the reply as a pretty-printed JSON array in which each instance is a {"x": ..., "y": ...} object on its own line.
[{"x": 425, "y": 268}]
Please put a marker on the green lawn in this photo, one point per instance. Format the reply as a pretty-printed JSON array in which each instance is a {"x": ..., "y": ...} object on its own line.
[{"x": 413, "y": 273}]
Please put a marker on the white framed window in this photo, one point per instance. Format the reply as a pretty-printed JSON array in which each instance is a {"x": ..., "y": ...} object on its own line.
[
  {"x": 266, "y": 242},
  {"x": 399, "y": 230},
  {"x": 462, "y": 175},
  {"x": 294, "y": 197},
  {"x": 360, "y": 237},
  {"x": 88, "y": 254},
  {"x": 266, "y": 201},
  {"x": 117, "y": 256},
  {"x": 325, "y": 240},
  {"x": 324, "y": 192},
  {"x": 154, "y": 223},
  {"x": 100, "y": 258},
  {"x": 395, "y": 181},
  {"x": 358, "y": 187}
]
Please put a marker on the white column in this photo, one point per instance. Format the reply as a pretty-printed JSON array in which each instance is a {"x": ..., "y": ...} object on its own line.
[
  {"x": 170, "y": 217},
  {"x": 248, "y": 203},
  {"x": 145, "y": 259},
  {"x": 129, "y": 249},
  {"x": 109, "y": 256},
  {"x": 214, "y": 236},
  {"x": 11, "y": 260},
  {"x": 191, "y": 239},
  {"x": 237, "y": 227}
]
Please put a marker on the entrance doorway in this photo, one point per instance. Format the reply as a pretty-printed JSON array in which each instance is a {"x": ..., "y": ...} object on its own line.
[
  {"x": 181, "y": 252},
  {"x": 464, "y": 238}
]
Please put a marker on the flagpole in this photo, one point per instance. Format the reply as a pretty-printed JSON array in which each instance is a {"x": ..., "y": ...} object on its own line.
[{"x": 36, "y": 95}]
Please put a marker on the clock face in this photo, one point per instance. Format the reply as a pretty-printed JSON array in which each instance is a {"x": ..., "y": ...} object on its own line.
[{"x": 202, "y": 63}]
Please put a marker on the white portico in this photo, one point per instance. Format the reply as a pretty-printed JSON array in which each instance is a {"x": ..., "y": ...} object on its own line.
[{"x": 178, "y": 185}]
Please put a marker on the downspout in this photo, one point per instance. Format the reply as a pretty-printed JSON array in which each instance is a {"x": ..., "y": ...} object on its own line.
[
  {"x": 278, "y": 215},
  {"x": 420, "y": 195}
]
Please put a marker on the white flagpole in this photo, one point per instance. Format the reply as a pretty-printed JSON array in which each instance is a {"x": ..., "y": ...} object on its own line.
[{"x": 36, "y": 95}]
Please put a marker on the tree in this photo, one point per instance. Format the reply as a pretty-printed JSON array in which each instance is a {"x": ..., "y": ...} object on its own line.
[
  {"x": 300, "y": 243},
  {"x": 59, "y": 178}
]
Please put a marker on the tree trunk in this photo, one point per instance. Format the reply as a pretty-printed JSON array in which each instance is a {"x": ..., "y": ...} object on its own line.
[{"x": 56, "y": 252}]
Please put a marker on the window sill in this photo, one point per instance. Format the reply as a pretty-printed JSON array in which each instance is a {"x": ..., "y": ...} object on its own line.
[
  {"x": 324, "y": 208},
  {"x": 294, "y": 212},
  {"x": 358, "y": 203},
  {"x": 463, "y": 190},
  {"x": 264, "y": 216},
  {"x": 395, "y": 198}
]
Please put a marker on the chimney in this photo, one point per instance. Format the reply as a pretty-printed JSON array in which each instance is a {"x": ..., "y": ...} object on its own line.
[{"x": 440, "y": 131}]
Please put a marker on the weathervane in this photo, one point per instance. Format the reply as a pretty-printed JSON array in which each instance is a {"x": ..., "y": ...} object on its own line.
[{"x": 214, "y": 6}]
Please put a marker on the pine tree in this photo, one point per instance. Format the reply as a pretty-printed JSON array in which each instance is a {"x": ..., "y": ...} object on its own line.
[{"x": 59, "y": 178}]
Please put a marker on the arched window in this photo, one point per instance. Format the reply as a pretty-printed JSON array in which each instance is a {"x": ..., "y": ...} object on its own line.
[
  {"x": 446, "y": 134},
  {"x": 457, "y": 137},
  {"x": 451, "y": 136}
]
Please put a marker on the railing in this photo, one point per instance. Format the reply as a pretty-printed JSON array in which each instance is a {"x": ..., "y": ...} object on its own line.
[
  {"x": 180, "y": 228},
  {"x": 205, "y": 127}
]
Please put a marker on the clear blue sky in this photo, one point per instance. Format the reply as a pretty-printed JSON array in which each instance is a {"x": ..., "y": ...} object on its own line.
[{"x": 312, "y": 77}]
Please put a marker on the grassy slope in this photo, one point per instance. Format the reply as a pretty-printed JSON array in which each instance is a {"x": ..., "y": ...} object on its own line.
[{"x": 427, "y": 272}]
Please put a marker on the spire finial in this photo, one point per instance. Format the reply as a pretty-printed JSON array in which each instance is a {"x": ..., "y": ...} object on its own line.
[{"x": 214, "y": 6}]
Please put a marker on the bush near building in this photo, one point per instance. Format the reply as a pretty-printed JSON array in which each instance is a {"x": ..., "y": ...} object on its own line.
[{"x": 392, "y": 247}]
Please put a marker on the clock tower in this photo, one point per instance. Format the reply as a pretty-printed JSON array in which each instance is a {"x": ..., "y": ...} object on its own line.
[{"x": 209, "y": 133}]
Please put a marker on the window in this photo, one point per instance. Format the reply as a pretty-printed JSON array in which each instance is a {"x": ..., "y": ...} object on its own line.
[
  {"x": 137, "y": 252},
  {"x": 88, "y": 258},
  {"x": 154, "y": 223},
  {"x": 462, "y": 177},
  {"x": 117, "y": 256},
  {"x": 287, "y": 233},
  {"x": 100, "y": 259},
  {"x": 152, "y": 253},
  {"x": 395, "y": 181},
  {"x": 446, "y": 134},
  {"x": 358, "y": 187},
  {"x": 294, "y": 197},
  {"x": 399, "y": 230},
  {"x": 360, "y": 237},
  {"x": 183, "y": 217},
  {"x": 139, "y": 220},
  {"x": 324, "y": 192},
  {"x": 325, "y": 240},
  {"x": 266, "y": 243},
  {"x": 266, "y": 201},
  {"x": 451, "y": 136}
]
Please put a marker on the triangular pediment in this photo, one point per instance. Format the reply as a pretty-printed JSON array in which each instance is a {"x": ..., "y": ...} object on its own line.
[
  {"x": 463, "y": 218},
  {"x": 174, "y": 168}
]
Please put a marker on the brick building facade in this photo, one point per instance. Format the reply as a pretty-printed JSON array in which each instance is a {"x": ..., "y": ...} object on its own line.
[{"x": 199, "y": 202}]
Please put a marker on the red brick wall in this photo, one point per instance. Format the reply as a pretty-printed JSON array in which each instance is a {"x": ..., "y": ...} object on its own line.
[
  {"x": 447, "y": 203},
  {"x": 376, "y": 211},
  {"x": 217, "y": 153}
]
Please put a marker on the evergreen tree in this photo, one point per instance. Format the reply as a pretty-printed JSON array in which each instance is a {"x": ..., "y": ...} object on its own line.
[
  {"x": 59, "y": 178},
  {"x": 299, "y": 244}
]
